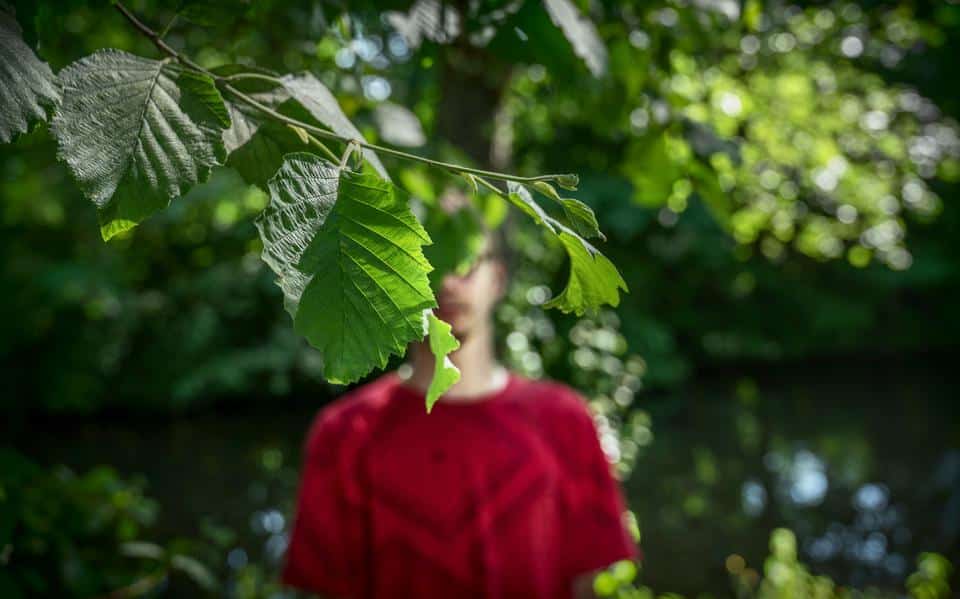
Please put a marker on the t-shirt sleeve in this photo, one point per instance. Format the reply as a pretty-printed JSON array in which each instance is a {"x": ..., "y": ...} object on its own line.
[
  {"x": 595, "y": 528},
  {"x": 327, "y": 552}
]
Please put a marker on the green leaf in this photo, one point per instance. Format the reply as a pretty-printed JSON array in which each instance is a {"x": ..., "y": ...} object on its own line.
[
  {"x": 348, "y": 252},
  {"x": 27, "y": 85},
  {"x": 256, "y": 143},
  {"x": 458, "y": 238},
  {"x": 581, "y": 218},
  {"x": 445, "y": 374},
  {"x": 320, "y": 103},
  {"x": 137, "y": 133},
  {"x": 201, "y": 88},
  {"x": 576, "y": 214},
  {"x": 521, "y": 198},
  {"x": 594, "y": 280}
]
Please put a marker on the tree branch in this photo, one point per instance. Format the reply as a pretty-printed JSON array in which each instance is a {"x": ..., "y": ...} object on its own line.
[{"x": 225, "y": 83}]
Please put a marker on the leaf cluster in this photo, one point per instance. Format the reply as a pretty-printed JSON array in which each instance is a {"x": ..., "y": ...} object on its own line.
[{"x": 138, "y": 133}]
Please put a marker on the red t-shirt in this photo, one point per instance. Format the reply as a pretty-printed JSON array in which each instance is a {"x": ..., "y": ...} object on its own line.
[{"x": 506, "y": 496}]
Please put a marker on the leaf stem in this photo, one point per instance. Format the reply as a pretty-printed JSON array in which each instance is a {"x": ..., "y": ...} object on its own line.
[
  {"x": 322, "y": 146},
  {"x": 346, "y": 153},
  {"x": 224, "y": 81}
]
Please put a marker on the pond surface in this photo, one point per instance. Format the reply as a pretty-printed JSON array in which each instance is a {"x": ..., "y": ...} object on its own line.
[{"x": 862, "y": 461}]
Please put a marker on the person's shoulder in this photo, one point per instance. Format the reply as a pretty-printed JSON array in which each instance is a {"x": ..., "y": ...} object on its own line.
[{"x": 353, "y": 414}]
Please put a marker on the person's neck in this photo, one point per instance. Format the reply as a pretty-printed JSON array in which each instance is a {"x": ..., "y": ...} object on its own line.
[{"x": 480, "y": 373}]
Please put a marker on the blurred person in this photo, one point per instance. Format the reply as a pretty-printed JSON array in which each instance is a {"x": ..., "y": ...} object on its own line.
[{"x": 501, "y": 491}]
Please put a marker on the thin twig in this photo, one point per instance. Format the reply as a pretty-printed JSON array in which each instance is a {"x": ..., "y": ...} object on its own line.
[
  {"x": 166, "y": 30},
  {"x": 157, "y": 41}
]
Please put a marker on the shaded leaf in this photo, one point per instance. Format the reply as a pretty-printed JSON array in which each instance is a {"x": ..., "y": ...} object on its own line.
[
  {"x": 445, "y": 374},
  {"x": 27, "y": 85},
  {"x": 136, "y": 133},
  {"x": 581, "y": 218},
  {"x": 348, "y": 252},
  {"x": 320, "y": 103},
  {"x": 256, "y": 143},
  {"x": 581, "y": 33},
  {"x": 576, "y": 214}
]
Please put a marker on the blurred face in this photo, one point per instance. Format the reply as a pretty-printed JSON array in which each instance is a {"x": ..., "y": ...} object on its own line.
[{"x": 467, "y": 301}]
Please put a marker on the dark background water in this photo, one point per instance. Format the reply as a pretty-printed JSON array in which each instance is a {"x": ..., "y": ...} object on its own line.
[{"x": 860, "y": 459}]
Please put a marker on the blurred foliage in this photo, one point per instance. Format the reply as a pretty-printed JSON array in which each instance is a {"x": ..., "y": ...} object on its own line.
[
  {"x": 783, "y": 577},
  {"x": 77, "y": 536},
  {"x": 60, "y": 532},
  {"x": 741, "y": 148},
  {"x": 69, "y": 535}
]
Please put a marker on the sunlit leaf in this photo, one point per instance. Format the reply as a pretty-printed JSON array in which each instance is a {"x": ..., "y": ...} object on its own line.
[
  {"x": 445, "y": 374},
  {"x": 521, "y": 198},
  {"x": 137, "y": 133},
  {"x": 27, "y": 85},
  {"x": 581, "y": 33},
  {"x": 348, "y": 252},
  {"x": 594, "y": 280},
  {"x": 323, "y": 106}
]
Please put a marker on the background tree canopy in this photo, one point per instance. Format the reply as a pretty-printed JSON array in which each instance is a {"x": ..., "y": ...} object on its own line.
[{"x": 775, "y": 182}]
